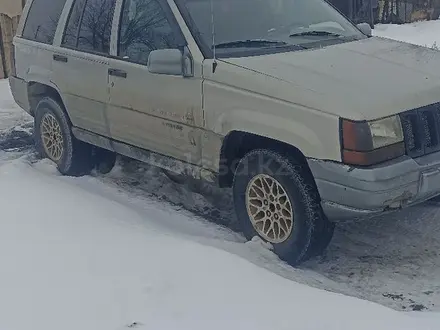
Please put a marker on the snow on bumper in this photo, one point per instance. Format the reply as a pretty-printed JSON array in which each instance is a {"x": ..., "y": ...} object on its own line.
[{"x": 349, "y": 193}]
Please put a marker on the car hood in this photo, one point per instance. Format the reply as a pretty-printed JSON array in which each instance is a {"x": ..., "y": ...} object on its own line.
[{"x": 365, "y": 79}]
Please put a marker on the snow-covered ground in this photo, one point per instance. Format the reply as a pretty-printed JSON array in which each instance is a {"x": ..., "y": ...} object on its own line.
[
  {"x": 420, "y": 33},
  {"x": 133, "y": 249},
  {"x": 78, "y": 254}
]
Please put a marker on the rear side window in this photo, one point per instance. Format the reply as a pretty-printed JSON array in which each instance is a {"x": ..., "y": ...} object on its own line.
[
  {"x": 89, "y": 26},
  {"x": 71, "y": 32},
  {"x": 41, "y": 23}
]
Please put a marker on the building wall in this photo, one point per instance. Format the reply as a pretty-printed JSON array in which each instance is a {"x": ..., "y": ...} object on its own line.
[
  {"x": 11, "y": 7},
  {"x": 10, "y": 11}
]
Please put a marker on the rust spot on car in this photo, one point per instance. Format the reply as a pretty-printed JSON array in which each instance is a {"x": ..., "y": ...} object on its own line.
[{"x": 189, "y": 116}]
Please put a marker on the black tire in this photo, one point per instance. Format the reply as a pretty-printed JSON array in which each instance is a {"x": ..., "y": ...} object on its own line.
[
  {"x": 104, "y": 160},
  {"x": 311, "y": 231},
  {"x": 76, "y": 157},
  {"x": 175, "y": 177},
  {"x": 434, "y": 201},
  {"x": 322, "y": 238}
]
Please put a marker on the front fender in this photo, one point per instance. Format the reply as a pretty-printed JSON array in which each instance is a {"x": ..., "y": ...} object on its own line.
[
  {"x": 270, "y": 126},
  {"x": 314, "y": 133}
]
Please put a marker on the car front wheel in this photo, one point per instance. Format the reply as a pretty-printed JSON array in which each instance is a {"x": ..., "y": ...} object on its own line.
[{"x": 276, "y": 199}]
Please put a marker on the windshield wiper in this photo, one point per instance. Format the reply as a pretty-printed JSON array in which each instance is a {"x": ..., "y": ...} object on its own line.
[
  {"x": 251, "y": 43},
  {"x": 315, "y": 33}
]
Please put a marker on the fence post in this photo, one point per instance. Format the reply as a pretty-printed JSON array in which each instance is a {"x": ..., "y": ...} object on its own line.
[
  {"x": 3, "y": 73},
  {"x": 7, "y": 27}
]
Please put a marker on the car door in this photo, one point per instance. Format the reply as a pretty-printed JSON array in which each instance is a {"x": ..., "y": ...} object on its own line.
[
  {"x": 81, "y": 62},
  {"x": 157, "y": 112}
]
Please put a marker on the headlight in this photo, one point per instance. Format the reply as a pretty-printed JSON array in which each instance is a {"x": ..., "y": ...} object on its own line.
[
  {"x": 386, "y": 131},
  {"x": 371, "y": 142}
]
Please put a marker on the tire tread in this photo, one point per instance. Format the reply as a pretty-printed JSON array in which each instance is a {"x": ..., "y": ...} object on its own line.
[{"x": 77, "y": 159}]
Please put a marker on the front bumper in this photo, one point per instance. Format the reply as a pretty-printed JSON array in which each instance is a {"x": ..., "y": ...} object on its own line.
[{"x": 349, "y": 192}]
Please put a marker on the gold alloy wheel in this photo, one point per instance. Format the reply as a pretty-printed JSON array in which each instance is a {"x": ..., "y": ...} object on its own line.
[
  {"x": 52, "y": 137},
  {"x": 269, "y": 208}
]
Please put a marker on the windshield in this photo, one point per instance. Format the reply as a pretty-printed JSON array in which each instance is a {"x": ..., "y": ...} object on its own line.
[{"x": 262, "y": 26}]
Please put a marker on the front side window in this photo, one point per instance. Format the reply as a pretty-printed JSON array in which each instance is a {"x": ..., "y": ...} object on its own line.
[
  {"x": 253, "y": 25},
  {"x": 89, "y": 26},
  {"x": 41, "y": 23},
  {"x": 144, "y": 27}
]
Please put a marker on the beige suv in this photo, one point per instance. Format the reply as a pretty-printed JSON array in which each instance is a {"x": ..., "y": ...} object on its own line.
[{"x": 307, "y": 117}]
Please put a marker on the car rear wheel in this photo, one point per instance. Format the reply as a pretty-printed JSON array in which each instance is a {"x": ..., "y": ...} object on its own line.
[
  {"x": 276, "y": 199},
  {"x": 54, "y": 140}
]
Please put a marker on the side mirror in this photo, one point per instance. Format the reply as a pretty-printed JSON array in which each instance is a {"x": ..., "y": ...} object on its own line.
[
  {"x": 170, "y": 62},
  {"x": 365, "y": 28}
]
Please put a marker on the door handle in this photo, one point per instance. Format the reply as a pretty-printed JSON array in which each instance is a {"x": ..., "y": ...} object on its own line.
[
  {"x": 117, "y": 73},
  {"x": 60, "y": 58}
]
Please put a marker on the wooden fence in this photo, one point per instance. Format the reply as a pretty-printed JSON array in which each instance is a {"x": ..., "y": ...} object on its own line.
[{"x": 8, "y": 28}]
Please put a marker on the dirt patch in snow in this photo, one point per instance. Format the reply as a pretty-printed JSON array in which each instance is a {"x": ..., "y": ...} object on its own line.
[{"x": 18, "y": 138}]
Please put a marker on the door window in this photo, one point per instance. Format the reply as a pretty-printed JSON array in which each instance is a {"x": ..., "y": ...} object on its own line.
[
  {"x": 145, "y": 27},
  {"x": 89, "y": 26}
]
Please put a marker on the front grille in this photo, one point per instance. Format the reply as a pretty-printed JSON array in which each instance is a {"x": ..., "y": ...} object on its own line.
[{"x": 421, "y": 130}]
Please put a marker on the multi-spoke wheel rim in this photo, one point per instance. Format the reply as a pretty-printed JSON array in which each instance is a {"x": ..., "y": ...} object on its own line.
[
  {"x": 52, "y": 137},
  {"x": 269, "y": 208}
]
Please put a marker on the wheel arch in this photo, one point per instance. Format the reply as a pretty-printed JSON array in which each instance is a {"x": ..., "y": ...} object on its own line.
[
  {"x": 38, "y": 90},
  {"x": 237, "y": 144}
]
